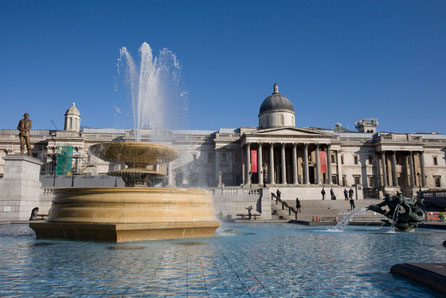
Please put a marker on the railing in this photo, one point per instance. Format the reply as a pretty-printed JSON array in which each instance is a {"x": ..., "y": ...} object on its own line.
[
  {"x": 48, "y": 191},
  {"x": 237, "y": 191},
  {"x": 284, "y": 204},
  {"x": 440, "y": 194}
]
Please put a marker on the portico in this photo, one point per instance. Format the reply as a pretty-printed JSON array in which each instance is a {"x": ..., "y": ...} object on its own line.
[{"x": 286, "y": 156}]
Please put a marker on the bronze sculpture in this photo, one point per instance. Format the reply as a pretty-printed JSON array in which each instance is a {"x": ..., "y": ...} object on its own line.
[
  {"x": 406, "y": 212},
  {"x": 24, "y": 127}
]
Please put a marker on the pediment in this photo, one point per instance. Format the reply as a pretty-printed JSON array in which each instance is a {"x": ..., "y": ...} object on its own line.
[{"x": 289, "y": 131}]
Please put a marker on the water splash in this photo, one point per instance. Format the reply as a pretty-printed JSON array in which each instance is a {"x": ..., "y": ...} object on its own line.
[
  {"x": 154, "y": 88},
  {"x": 394, "y": 219},
  {"x": 344, "y": 222}
]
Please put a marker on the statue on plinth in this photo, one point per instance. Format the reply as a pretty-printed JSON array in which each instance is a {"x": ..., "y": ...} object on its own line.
[
  {"x": 405, "y": 212},
  {"x": 24, "y": 127}
]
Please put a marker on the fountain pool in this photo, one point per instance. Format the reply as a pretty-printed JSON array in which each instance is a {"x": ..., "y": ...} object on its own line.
[{"x": 260, "y": 259}]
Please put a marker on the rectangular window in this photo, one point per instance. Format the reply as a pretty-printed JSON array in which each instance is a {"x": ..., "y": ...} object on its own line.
[
  {"x": 223, "y": 157},
  {"x": 356, "y": 159},
  {"x": 435, "y": 161},
  {"x": 342, "y": 159},
  {"x": 370, "y": 159},
  {"x": 332, "y": 158},
  {"x": 210, "y": 179},
  {"x": 357, "y": 179},
  {"x": 437, "y": 181},
  {"x": 334, "y": 179},
  {"x": 344, "y": 180},
  {"x": 371, "y": 181}
]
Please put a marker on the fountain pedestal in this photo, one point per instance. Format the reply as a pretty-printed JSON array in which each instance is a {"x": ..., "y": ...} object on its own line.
[{"x": 122, "y": 214}]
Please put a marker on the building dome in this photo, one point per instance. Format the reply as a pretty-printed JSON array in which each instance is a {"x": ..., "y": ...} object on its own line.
[
  {"x": 72, "y": 119},
  {"x": 73, "y": 110},
  {"x": 276, "y": 111},
  {"x": 276, "y": 102}
]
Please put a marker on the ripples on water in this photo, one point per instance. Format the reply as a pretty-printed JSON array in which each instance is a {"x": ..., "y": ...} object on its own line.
[{"x": 256, "y": 259}]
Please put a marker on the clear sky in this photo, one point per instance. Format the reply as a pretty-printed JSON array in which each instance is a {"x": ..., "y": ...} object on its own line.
[{"x": 337, "y": 61}]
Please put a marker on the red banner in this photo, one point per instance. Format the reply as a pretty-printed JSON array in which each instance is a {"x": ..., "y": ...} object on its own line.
[
  {"x": 323, "y": 162},
  {"x": 253, "y": 161}
]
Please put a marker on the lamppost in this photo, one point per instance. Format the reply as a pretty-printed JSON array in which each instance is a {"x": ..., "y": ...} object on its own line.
[
  {"x": 419, "y": 180},
  {"x": 265, "y": 174},
  {"x": 74, "y": 169}
]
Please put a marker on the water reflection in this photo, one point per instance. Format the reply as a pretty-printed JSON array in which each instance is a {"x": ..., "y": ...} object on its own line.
[{"x": 259, "y": 260}]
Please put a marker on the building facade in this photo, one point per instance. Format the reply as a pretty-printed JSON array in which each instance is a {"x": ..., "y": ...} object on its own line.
[{"x": 276, "y": 153}]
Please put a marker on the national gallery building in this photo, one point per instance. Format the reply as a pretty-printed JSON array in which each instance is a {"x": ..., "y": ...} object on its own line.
[{"x": 276, "y": 153}]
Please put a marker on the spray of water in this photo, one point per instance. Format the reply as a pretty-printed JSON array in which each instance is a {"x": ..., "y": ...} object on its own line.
[
  {"x": 154, "y": 88},
  {"x": 344, "y": 222}
]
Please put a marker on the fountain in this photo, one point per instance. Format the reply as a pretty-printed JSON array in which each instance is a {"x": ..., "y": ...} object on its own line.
[
  {"x": 121, "y": 214},
  {"x": 135, "y": 212},
  {"x": 405, "y": 213}
]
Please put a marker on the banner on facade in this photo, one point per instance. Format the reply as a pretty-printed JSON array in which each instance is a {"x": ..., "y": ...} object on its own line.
[
  {"x": 323, "y": 162},
  {"x": 253, "y": 161}
]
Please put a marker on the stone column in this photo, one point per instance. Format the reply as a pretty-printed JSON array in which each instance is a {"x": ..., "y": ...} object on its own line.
[
  {"x": 248, "y": 164},
  {"x": 271, "y": 163},
  {"x": 283, "y": 164},
  {"x": 259, "y": 164},
  {"x": 383, "y": 157},
  {"x": 243, "y": 167},
  {"x": 306, "y": 180},
  {"x": 294, "y": 163},
  {"x": 394, "y": 177},
  {"x": 328, "y": 163},
  {"x": 423, "y": 182},
  {"x": 318, "y": 165},
  {"x": 217, "y": 166},
  {"x": 378, "y": 172},
  {"x": 169, "y": 174},
  {"x": 412, "y": 170},
  {"x": 338, "y": 168}
]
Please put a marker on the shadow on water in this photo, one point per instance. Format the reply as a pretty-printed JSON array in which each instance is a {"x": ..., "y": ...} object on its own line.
[
  {"x": 125, "y": 247},
  {"x": 190, "y": 243}
]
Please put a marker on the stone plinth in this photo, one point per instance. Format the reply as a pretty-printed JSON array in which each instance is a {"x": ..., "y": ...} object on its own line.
[
  {"x": 20, "y": 187},
  {"x": 120, "y": 214}
]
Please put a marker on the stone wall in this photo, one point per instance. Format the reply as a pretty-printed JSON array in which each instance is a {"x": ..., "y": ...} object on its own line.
[{"x": 20, "y": 187}]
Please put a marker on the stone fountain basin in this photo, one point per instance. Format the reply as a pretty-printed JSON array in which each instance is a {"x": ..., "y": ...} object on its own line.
[
  {"x": 121, "y": 214},
  {"x": 134, "y": 154}
]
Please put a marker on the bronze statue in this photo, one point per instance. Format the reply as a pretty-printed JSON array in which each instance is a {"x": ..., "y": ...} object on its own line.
[
  {"x": 24, "y": 127},
  {"x": 406, "y": 212}
]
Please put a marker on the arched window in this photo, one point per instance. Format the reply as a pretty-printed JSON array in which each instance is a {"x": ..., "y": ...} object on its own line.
[
  {"x": 70, "y": 122},
  {"x": 281, "y": 120}
]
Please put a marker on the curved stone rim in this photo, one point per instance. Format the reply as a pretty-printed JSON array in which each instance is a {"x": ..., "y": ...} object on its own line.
[{"x": 134, "y": 154}]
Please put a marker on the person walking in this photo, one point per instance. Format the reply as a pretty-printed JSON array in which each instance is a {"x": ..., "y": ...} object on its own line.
[
  {"x": 249, "y": 212},
  {"x": 323, "y": 193},
  {"x": 345, "y": 194},
  {"x": 352, "y": 204},
  {"x": 332, "y": 194},
  {"x": 298, "y": 205},
  {"x": 350, "y": 193}
]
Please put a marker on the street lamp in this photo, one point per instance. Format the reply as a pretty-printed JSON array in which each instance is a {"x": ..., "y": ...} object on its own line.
[
  {"x": 265, "y": 173},
  {"x": 419, "y": 180}
]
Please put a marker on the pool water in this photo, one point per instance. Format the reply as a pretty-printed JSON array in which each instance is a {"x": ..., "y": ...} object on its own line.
[{"x": 259, "y": 259}]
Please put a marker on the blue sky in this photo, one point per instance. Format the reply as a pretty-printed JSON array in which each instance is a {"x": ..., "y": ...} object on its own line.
[{"x": 337, "y": 61}]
